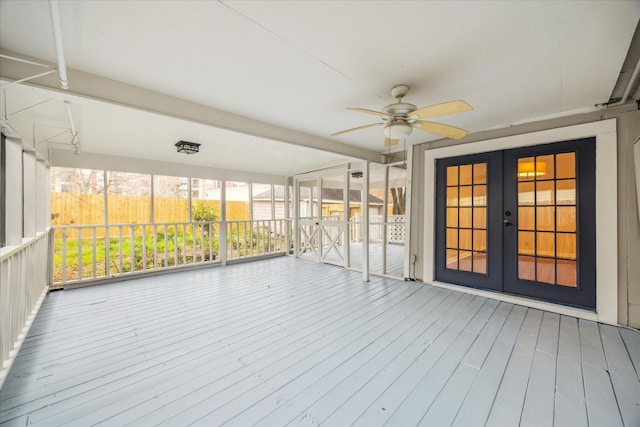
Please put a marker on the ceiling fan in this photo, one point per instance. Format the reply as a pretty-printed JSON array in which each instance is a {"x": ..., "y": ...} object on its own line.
[{"x": 400, "y": 119}]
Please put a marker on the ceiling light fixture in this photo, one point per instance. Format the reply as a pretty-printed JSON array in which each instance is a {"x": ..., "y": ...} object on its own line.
[
  {"x": 531, "y": 169},
  {"x": 187, "y": 147},
  {"x": 397, "y": 129}
]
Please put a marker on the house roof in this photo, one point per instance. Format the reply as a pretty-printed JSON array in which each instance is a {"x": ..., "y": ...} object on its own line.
[{"x": 264, "y": 85}]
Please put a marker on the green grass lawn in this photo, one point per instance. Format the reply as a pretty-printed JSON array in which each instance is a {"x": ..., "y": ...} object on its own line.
[{"x": 135, "y": 253}]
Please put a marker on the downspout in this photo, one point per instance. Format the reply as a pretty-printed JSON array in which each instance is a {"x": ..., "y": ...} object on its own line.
[{"x": 57, "y": 35}]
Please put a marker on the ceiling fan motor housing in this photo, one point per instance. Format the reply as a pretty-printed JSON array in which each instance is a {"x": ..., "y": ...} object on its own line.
[{"x": 399, "y": 109}]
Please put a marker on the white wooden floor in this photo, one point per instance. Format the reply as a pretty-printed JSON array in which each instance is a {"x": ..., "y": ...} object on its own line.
[
  {"x": 394, "y": 257},
  {"x": 287, "y": 341}
]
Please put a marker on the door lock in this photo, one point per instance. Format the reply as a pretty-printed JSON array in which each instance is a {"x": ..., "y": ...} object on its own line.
[{"x": 506, "y": 222}]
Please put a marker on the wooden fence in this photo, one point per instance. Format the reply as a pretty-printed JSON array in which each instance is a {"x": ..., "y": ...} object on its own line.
[{"x": 88, "y": 209}]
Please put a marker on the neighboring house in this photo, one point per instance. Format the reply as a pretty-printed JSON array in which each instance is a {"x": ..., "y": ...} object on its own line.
[{"x": 332, "y": 203}]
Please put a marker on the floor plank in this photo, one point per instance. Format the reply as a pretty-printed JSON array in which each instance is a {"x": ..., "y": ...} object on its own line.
[
  {"x": 508, "y": 404},
  {"x": 602, "y": 407},
  {"x": 287, "y": 341},
  {"x": 570, "y": 407}
]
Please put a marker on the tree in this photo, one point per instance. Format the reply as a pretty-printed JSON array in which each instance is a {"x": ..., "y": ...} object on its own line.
[
  {"x": 399, "y": 200},
  {"x": 201, "y": 211}
]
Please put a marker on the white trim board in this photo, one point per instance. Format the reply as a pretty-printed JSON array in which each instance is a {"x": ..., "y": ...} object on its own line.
[{"x": 606, "y": 209}]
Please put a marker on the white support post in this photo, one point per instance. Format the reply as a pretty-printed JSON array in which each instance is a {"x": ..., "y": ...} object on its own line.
[
  {"x": 273, "y": 202},
  {"x": 385, "y": 220},
  {"x": 223, "y": 222},
  {"x": 13, "y": 192},
  {"x": 189, "y": 201},
  {"x": 29, "y": 195},
  {"x": 319, "y": 217},
  {"x": 347, "y": 237},
  {"x": 151, "y": 215},
  {"x": 408, "y": 273},
  {"x": 105, "y": 182},
  {"x": 287, "y": 216},
  {"x": 296, "y": 217},
  {"x": 365, "y": 219},
  {"x": 41, "y": 198}
]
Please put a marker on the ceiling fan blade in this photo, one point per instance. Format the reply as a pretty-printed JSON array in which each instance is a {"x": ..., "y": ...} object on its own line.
[
  {"x": 390, "y": 142},
  {"x": 355, "y": 129},
  {"x": 375, "y": 113},
  {"x": 440, "y": 129},
  {"x": 443, "y": 109}
]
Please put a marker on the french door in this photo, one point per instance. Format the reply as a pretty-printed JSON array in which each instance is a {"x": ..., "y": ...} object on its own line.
[{"x": 520, "y": 221}]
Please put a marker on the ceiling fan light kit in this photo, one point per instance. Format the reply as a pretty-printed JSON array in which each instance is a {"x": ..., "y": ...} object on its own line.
[{"x": 399, "y": 119}]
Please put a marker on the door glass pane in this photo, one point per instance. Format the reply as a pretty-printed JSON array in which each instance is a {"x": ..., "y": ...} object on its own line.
[
  {"x": 452, "y": 196},
  {"x": 566, "y": 218},
  {"x": 566, "y": 191},
  {"x": 465, "y": 196},
  {"x": 545, "y": 270},
  {"x": 466, "y": 233},
  {"x": 480, "y": 240},
  {"x": 526, "y": 268},
  {"x": 479, "y": 218},
  {"x": 526, "y": 169},
  {"x": 545, "y": 167},
  {"x": 526, "y": 242},
  {"x": 466, "y": 175},
  {"x": 480, "y": 173},
  {"x": 466, "y": 220},
  {"x": 544, "y": 193},
  {"x": 452, "y": 259},
  {"x": 452, "y": 176},
  {"x": 466, "y": 261},
  {"x": 452, "y": 217},
  {"x": 465, "y": 239},
  {"x": 452, "y": 238},
  {"x": 526, "y": 194},
  {"x": 547, "y": 219},
  {"x": 566, "y": 247},
  {"x": 526, "y": 218},
  {"x": 567, "y": 273},
  {"x": 545, "y": 245},
  {"x": 480, "y": 262},
  {"x": 479, "y": 195},
  {"x": 565, "y": 165}
]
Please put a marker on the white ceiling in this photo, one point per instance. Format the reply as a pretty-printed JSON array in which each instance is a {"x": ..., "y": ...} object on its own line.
[{"x": 296, "y": 65}]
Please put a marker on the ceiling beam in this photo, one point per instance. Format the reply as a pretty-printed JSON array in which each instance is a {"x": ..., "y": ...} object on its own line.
[{"x": 103, "y": 89}]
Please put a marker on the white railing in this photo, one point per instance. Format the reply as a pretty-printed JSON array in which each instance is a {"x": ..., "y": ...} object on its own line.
[
  {"x": 257, "y": 238},
  {"x": 395, "y": 228},
  {"x": 89, "y": 252},
  {"x": 24, "y": 275}
]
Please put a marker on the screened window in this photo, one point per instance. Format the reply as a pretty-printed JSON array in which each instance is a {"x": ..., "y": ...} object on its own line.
[
  {"x": 77, "y": 196},
  {"x": 170, "y": 199},
  {"x": 128, "y": 198}
]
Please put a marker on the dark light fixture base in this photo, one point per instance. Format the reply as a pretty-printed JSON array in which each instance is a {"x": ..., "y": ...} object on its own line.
[{"x": 187, "y": 147}]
